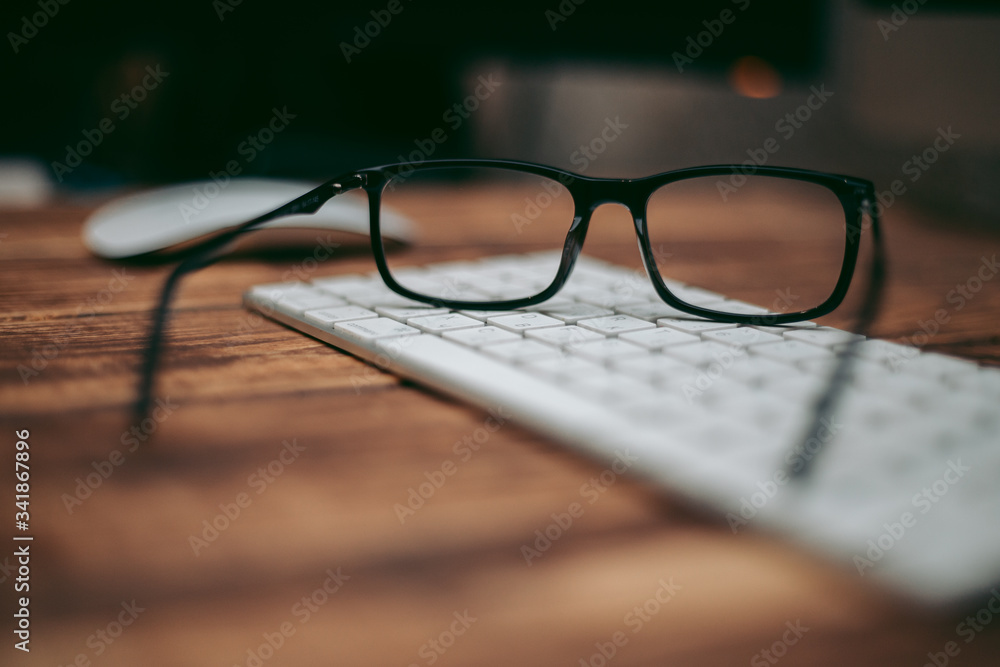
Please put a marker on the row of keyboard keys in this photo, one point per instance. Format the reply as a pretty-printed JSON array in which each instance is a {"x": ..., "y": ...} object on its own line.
[{"x": 693, "y": 342}]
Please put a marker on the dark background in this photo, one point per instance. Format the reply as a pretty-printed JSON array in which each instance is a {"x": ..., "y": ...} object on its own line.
[
  {"x": 229, "y": 69},
  {"x": 226, "y": 75}
]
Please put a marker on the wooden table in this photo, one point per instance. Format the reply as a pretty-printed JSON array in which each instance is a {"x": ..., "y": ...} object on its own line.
[{"x": 309, "y": 452}]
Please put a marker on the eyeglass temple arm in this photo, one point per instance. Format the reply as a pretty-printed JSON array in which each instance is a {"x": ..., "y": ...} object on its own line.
[
  {"x": 827, "y": 403},
  {"x": 206, "y": 253}
]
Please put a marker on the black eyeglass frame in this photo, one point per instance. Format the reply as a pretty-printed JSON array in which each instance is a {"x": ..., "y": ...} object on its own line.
[
  {"x": 857, "y": 196},
  {"x": 588, "y": 193}
]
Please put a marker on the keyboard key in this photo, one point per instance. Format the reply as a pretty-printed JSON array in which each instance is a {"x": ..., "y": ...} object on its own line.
[
  {"x": 741, "y": 337},
  {"x": 564, "y": 336},
  {"x": 347, "y": 284},
  {"x": 822, "y": 336},
  {"x": 607, "y": 349},
  {"x": 385, "y": 298},
  {"x": 696, "y": 295},
  {"x": 764, "y": 410},
  {"x": 368, "y": 330},
  {"x": 664, "y": 411},
  {"x": 693, "y": 326},
  {"x": 403, "y": 314},
  {"x": 437, "y": 286},
  {"x": 611, "y": 387},
  {"x": 658, "y": 338},
  {"x": 563, "y": 366},
  {"x": 656, "y": 368},
  {"x": 605, "y": 298},
  {"x": 442, "y": 323},
  {"x": 558, "y": 301},
  {"x": 802, "y": 389},
  {"x": 613, "y": 325},
  {"x": 985, "y": 383},
  {"x": 782, "y": 329},
  {"x": 652, "y": 311},
  {"x": 791, "y": 352},
  {"x": 737, "y": 307},
  {"x": 938, "y": 366},
  {"x": 759, "y": 371},
  {"x": 483, "y": 315},
  {"x": 298, "y": 303},
  {"x": 327, "y": 317},
  {"x": 295, "y": 298},
  {"x": 706, "y": 354},
  {"x": 595, "y": 273},
  {"x": 272, "y": 291},
  {"x": 573, "y": 311},
  {"x": 524, "y": 322},
  {"x": 478, "y": 337},
  {"x": 892, "y": 355},
  {"x": 714, "y": 389},
  {"x": 521, "y": 351}
]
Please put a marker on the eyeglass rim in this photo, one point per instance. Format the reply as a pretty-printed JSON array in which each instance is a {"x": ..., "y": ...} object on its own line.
[{"x": 856, "y": 196}]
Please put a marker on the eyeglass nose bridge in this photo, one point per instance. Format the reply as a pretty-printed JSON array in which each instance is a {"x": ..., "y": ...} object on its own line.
[{"x": 595, "y": 193}]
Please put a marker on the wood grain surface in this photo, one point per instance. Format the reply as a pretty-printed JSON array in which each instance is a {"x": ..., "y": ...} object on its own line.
[{"x": 317, "y": 568}]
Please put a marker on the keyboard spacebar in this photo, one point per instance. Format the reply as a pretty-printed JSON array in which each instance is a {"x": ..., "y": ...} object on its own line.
[{"x": 459, "y": 371}]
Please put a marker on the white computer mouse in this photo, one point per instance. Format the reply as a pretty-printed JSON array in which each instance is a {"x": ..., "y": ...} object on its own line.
[{"x": 165, "y": 218}]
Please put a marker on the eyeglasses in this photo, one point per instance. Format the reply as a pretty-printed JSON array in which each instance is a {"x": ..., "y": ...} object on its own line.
[
  {"x": 797, "y": 237},
  {"x": 810, "y": 224}
]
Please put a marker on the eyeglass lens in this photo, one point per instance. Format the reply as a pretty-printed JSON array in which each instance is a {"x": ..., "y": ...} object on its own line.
[{"x": 774, "y": 242}]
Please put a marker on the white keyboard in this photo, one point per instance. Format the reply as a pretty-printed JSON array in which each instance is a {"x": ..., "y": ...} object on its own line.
[{"x": 904, "y": 489}]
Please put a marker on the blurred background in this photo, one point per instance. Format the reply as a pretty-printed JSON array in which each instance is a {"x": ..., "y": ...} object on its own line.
[{"x": 116, "y": 94}]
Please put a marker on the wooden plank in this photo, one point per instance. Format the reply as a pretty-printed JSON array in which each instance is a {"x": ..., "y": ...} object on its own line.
[{"x": 238, "y": 388}]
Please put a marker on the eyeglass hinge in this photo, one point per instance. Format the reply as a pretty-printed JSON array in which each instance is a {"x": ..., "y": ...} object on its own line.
[{"x": 349, "y": 183}]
